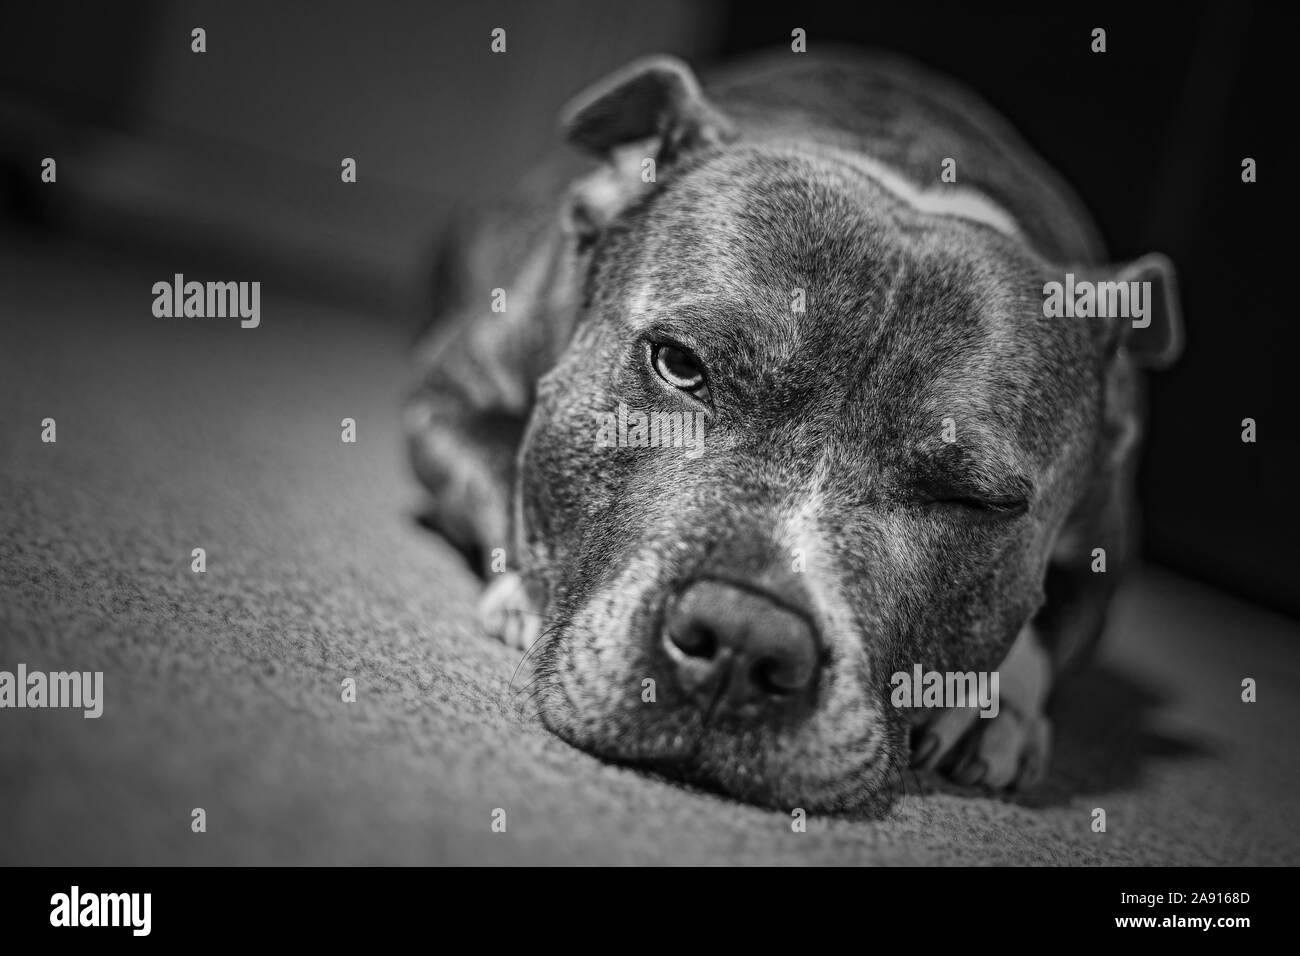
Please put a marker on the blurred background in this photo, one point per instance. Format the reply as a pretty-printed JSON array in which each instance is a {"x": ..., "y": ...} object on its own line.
[{"x": 230, "y": 159}]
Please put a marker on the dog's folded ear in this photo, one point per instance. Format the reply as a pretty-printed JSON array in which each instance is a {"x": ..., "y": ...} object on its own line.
[
  {"x": 640, "y": 121},
  {"x": 1153, "y": 337},
  {"x": 654, "y": 97}
]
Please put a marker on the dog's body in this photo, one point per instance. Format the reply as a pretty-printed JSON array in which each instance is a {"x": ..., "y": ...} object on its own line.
[{"x": 905, "y": 464}]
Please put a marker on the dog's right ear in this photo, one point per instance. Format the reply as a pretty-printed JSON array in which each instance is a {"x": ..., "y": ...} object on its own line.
[
  {"x": 1155, "y": 340},
  {"x": 652, "y": 109}
]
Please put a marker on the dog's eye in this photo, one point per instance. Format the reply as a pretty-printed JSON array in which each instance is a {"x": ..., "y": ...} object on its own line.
[
  {"x": 987, "y": 507},
  {"x": 677, "y": 367}
]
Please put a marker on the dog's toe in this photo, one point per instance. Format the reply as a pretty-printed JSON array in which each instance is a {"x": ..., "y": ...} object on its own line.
[
  {"x": 507, "y": 612},
  {"x": 1013, "y": 747},
  {"x": 938, "y": 738}
]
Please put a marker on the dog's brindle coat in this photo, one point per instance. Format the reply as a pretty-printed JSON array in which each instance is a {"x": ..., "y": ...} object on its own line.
[{"x": 829, "y": 536}]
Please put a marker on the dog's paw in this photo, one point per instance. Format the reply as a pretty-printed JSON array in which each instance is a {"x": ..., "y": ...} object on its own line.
[
  {"x": 1007, "y": 752},
  {"x": 507, "y": 612}
]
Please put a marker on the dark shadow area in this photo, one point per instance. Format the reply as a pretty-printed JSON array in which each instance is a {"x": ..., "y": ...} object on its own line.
[
  {"x": 1102, "y": 740},
  {"x": 470, "y": 551},
  {"x": 1104, "y": 737}
]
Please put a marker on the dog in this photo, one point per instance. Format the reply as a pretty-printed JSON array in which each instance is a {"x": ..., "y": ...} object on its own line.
[{"x": 837, "y": 266}]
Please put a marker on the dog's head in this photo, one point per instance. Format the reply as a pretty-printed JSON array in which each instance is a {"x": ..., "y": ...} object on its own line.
[{"x": 805, "y": 434}]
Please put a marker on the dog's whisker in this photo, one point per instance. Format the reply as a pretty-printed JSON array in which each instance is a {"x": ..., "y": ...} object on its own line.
[{"x": 547, "y": 634}]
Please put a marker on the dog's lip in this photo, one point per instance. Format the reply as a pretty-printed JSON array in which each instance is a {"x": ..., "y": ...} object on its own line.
[
  {"x": 703, "y": 756},
  {"x": 741, "y": 783}
]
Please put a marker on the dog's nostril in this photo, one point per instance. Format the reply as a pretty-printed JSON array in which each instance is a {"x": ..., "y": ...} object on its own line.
[
  {"x": 778, "y": 675},
  {"x": 695, "y": 639}
]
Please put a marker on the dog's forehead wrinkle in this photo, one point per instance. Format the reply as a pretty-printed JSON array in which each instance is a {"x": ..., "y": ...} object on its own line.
[
  {"x": 761, "y": 213},
  {"x": 942, "y": 200},
  {"x": 802, "y": 202}
]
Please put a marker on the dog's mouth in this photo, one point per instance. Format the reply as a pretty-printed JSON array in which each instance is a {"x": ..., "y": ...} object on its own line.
[
  {"x": 749, "y": 720},
  {"x": 746, "y": 764}
]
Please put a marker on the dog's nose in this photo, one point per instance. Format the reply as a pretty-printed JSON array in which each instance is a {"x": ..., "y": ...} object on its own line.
[{"x": 739, "y": 651}]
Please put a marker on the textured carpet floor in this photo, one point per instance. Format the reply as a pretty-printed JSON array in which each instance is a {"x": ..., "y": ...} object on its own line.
[{"x": 222, "y": 689}]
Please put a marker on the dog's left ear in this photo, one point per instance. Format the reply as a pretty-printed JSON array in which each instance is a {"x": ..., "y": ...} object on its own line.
[
  {"x": 1154, "y": 339},
  {"x": 640, "y": 120},
  {"x": 654, "y": 97}
]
